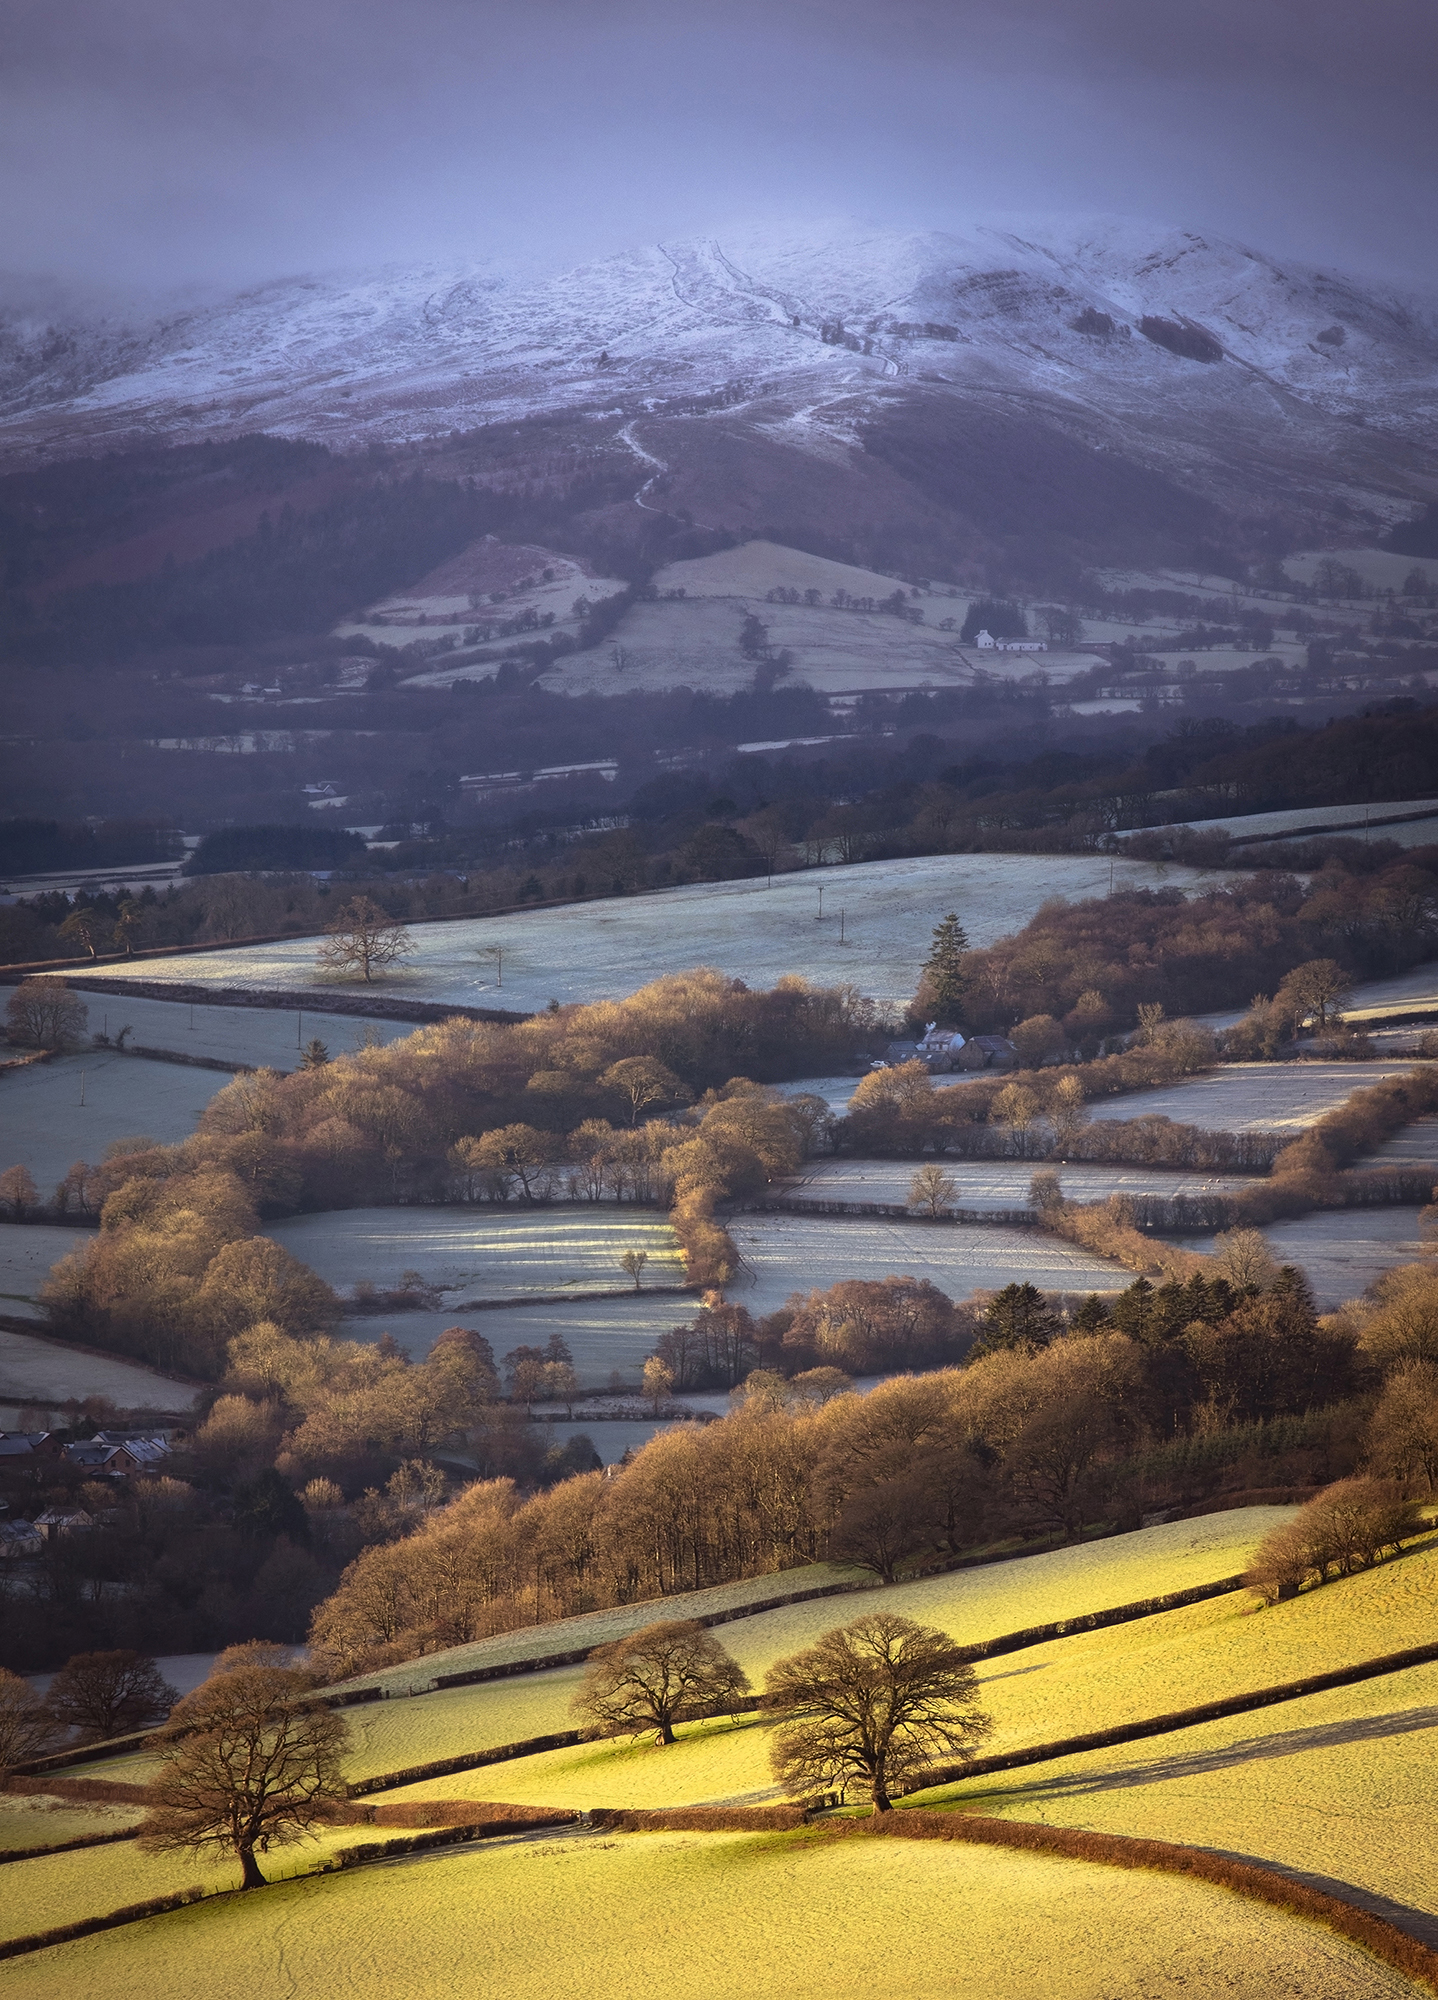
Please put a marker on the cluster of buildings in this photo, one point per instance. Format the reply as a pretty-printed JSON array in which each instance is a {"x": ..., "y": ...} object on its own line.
[
  {"x": 987, "y": 643},
  {"x": 116, "y": 1455},
  {"x": 944, "y": 1050}
]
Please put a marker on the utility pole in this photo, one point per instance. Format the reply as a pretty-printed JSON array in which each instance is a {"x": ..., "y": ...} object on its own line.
[
  {"x": 82, "y": 1086},
  {"x": 841, "y": 926},
  {"x": 820, "y": 917}
]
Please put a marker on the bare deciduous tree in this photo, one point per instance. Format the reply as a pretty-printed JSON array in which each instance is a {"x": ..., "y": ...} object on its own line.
[
  {"x": 642, "y": 1081},
  {"x": 257, "y": 1765},
  {"x": 877, "y": 1702},
  {"x": 27, "y": 1728},
  {"x": 658, "y": 1382},
  {"x": 1319, "y": 991},
  {"x": 932, "y": 1190},
  {"x": 363, "y": 938},
  {"x": 18, "y": 1191},
  {"x": 104, "y": 1694},
  {"x": 671, "y": 1672},
  {"x": 45, "y": 1014},
  {"x": 633, "y": 1261}
]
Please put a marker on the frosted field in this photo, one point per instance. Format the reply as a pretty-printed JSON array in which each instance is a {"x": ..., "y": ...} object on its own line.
[
  {"x": 1374, "y": 1000},
  {"x": 27, "y": 1251},
  {"x": 757, "y": 567},
  {"x": 43, "y": 1372},
  {"x": 44, "y": 1126},
  {"x": 1379, "y": 567},
  {"x": 836, "y": 1091},
  {"x": 997, "y": 1183},
  {"x": 603, "y": 1335},
  {"x": 641, "y": 1914},
  {"x": 605, "y": 950},
  {"x": 481, "y": 1253},
  {"x": 1338, "y": 1784},
  {"x": 1417, "y": 833},
  {"x": 1418, "y": 988},
  {"x": 1415, "y": 1146},
  {"x": 35, "y": 1820},
  {"x": 1343, "y": 1251},
  {"x": 1254, "y": 1097},
  {"x": 791, "y": 1253},
  {"x": 270, "y": 1038},
  {"x": 696, "y": 644}
]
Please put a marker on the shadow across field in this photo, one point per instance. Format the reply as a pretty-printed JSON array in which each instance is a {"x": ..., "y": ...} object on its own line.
[{"x": 1224, "y": 1757}]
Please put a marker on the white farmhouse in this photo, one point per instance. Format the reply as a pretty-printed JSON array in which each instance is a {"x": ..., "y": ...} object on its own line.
[{"x": 987, "y": 643}]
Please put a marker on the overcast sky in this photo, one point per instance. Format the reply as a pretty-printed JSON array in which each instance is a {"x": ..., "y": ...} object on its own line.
[{"x": 171, "y": 142}]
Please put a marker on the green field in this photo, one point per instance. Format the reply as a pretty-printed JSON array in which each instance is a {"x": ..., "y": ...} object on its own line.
[
  {"x": 1092, "y": 1681},
  {"x": 723, "y": 1916},
  {"x": 43, "y": 1822},
  {"x": 974, "y": 1604},
  {"x": 1338, "y": 1786}
]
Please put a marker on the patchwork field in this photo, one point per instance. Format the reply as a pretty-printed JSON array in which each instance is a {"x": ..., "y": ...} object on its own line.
[
  {"x": 45, "y": 1127},
  {"x": 1417, "y": 833},
  {"x": 604, "y": 1335},
  {"x": 1254, "y": 1097},
  {"x": 639, "y": 1914},
  {"x": 1343, "y": 1251},
  {"x": 484, "y": 1253},
  {"x": 604, "y": 950},
  {"x": 44, "y": 1822},
  {"x": 972, "y": 1604},
  {"x": 1338, "y": 1785},
  {"x": 995, "y": 1184},
  {"x": 790, "y": 1253},
  {"x": 44, "y": 1373},
  {"x": 1088, "y": 1682},
  {"x": 27, "y": 1252},
  {"x": 270, "y": 1038}
]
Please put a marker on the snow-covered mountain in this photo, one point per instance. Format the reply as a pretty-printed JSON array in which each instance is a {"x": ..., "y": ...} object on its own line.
[{"x": 1177, "y": 350}]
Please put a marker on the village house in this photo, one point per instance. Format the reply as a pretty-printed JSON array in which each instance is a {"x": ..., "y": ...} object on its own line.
[
  {"x": 58, "y": 1521},
  {"x": 27, "y": 1447},
  {"x": 112, "y": 1455},
  {"x": 987, "y": 643},
  {"x": 20, "y": 1541}
]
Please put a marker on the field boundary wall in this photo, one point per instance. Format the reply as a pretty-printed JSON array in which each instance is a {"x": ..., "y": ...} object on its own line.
[
  {"x": 1264, "y": 1884},
  {"x": 1186, "y": 1718},
  {"x": 896, "y": 1211}
]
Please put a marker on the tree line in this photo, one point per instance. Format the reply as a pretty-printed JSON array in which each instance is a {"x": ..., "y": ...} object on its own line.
[
  {"x": 1063, "y": 1417},
  {"x": 178, "y": 1266}
]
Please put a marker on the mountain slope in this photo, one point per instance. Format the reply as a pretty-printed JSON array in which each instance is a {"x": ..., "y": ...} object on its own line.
[{"x": 1090, "y": 383}]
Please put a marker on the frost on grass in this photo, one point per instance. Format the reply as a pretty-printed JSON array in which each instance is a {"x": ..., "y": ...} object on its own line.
[
  {"x": 1254, "y": 1097},
  {"x": 788, "y": 1253},
  {"x": 47, "y": 1128},
  {"x": 485, "y": 1253},
  {"x": 586, "y": 1918},
  {"x": 749, "y": 930}
]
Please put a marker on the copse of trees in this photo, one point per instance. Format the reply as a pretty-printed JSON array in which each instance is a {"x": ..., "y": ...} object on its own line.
[
  {"x": 466, "y": 1110},
  {"x": 1110, "y": 957},
  {"x": 1060, "y": 1423}
]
